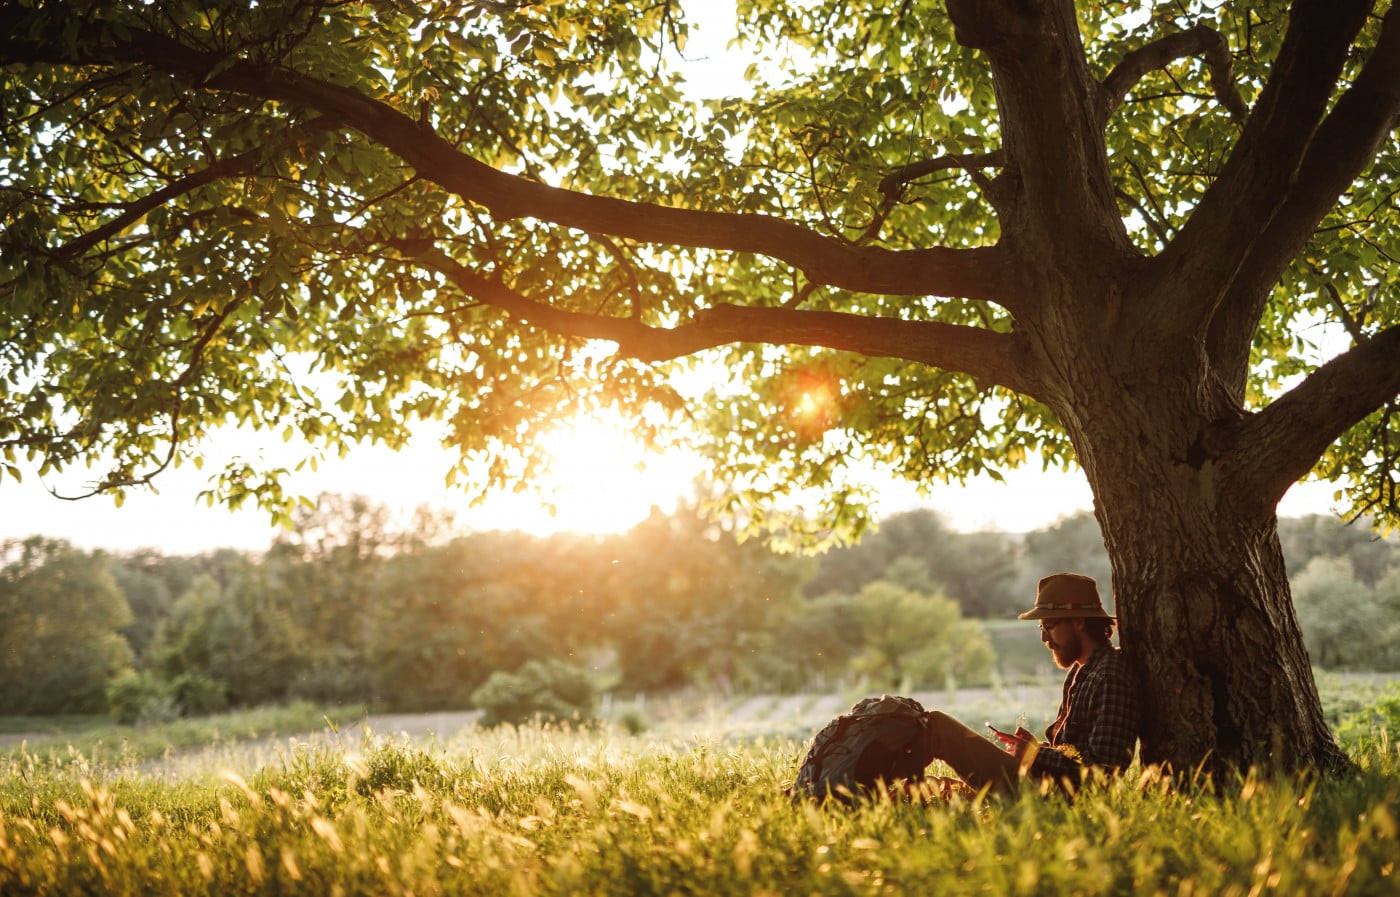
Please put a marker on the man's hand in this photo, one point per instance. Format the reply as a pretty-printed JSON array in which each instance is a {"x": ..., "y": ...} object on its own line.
[
  {"x": 1015, "y": 743},
  {"x": 1006, "y": 738},
  {"x": 1021, "y": 742}
]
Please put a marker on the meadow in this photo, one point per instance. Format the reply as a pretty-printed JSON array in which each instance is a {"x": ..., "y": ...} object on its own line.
[{"x": 544, "y": 809}]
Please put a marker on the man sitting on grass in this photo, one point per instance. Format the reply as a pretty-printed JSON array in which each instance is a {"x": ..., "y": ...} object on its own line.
[{"x": 1097, "y": 724}]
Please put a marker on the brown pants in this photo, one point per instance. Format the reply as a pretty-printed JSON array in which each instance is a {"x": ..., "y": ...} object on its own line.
[{"x": 977, "y": 761}]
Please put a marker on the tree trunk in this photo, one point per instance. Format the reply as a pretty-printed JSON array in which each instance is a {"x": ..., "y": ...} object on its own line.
[
  {"x": 1204, "y": 606},
  {"x": 1207, "y": 620}
]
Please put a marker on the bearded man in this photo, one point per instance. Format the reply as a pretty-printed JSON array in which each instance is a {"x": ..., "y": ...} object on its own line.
[{"x": 1097, "y": 725}]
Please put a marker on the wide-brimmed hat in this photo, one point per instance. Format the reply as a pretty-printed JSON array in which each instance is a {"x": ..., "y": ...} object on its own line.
[{"x": 1061, "y": 596}]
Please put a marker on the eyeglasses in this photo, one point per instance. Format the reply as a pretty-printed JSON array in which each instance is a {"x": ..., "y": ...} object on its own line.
[{"x": 1047, "y": 625}]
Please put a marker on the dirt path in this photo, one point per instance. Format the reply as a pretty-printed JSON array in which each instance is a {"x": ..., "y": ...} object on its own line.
[{"x": 440, "y": 725}]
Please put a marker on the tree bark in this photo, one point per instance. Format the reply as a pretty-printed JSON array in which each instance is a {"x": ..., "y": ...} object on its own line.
[
  {"x": 1118, "y": 349},
  {"x": 1205, "y": 611},
  {"x": 1207, "y": 620}
]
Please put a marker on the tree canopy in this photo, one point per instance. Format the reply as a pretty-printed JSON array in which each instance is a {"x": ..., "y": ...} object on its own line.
[
  {"x": 335, "y": 218},
  {"x": 1153, "y": 239}
]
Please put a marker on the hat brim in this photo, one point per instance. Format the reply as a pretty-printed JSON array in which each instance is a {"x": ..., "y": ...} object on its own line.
[{"x": 1071, "y": 613}]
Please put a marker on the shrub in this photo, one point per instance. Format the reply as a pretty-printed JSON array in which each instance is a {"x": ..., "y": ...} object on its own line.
[
  {"x": 1343, "y": 623},
  {"x": 548, "y": 689},
  {"x": 142, "y": 697},
  {"x": 145, "y": 697},
  {"x": 906, "y": 639},
  {"x": 633, "y": 721},
  {"x": 1381, "y": 719},
  {"x": 200, "y": 695}
]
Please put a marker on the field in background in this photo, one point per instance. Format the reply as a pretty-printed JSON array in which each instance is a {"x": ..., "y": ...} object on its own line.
[
  {"x": 248, "y": 741},
  {"x": 1021, "y": 655}
]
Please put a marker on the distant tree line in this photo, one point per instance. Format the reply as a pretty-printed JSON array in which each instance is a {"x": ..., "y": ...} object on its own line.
[
  {"x": 991, "y": 575},
  {"x": 347, "y": 609}
]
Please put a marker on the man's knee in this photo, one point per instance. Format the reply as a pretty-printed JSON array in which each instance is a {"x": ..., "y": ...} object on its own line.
[
  {"x": 937, "y": 716},
  {"x": 938, "y": 727}
]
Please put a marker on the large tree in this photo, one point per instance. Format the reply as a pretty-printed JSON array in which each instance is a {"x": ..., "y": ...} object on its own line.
[
  {"x": 947, "y": 236},
  {"x": 60, "y": 610}
]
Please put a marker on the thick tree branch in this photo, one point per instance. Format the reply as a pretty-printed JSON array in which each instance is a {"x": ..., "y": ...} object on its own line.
[
  {"x": 1278, "y": 446},
  {"x": 1048, "y": 106},
  {"x": 1202, "y": 41},
  {"x": 1342, "y": 148},
  {"x": 984, "y": 354},
  {"x": 969, "y": 273},
  {"x": 1212, "y": 245}
]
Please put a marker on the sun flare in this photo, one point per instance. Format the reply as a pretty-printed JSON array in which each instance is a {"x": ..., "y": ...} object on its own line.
[{"x": 601, "y": 478}]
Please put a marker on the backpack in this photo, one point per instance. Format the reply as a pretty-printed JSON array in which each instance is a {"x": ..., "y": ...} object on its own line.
[{"x": 879, "y": 739}]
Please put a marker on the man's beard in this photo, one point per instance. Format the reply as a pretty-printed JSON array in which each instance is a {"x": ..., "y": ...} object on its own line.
[{"x": 1066, "y": 651}]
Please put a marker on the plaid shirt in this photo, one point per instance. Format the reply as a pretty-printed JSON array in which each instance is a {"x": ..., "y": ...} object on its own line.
[{"x": 1098, "y": 717}]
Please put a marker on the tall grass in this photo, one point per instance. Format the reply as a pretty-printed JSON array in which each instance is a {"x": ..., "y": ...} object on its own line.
[{"x": 540, "y": 810}]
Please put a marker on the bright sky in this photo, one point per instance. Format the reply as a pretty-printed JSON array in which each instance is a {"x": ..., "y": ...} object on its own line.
[{"x": 603, "y": 479}]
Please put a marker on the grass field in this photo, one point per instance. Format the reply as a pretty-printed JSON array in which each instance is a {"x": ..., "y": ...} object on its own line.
[{"x": 542, "y": 810}]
